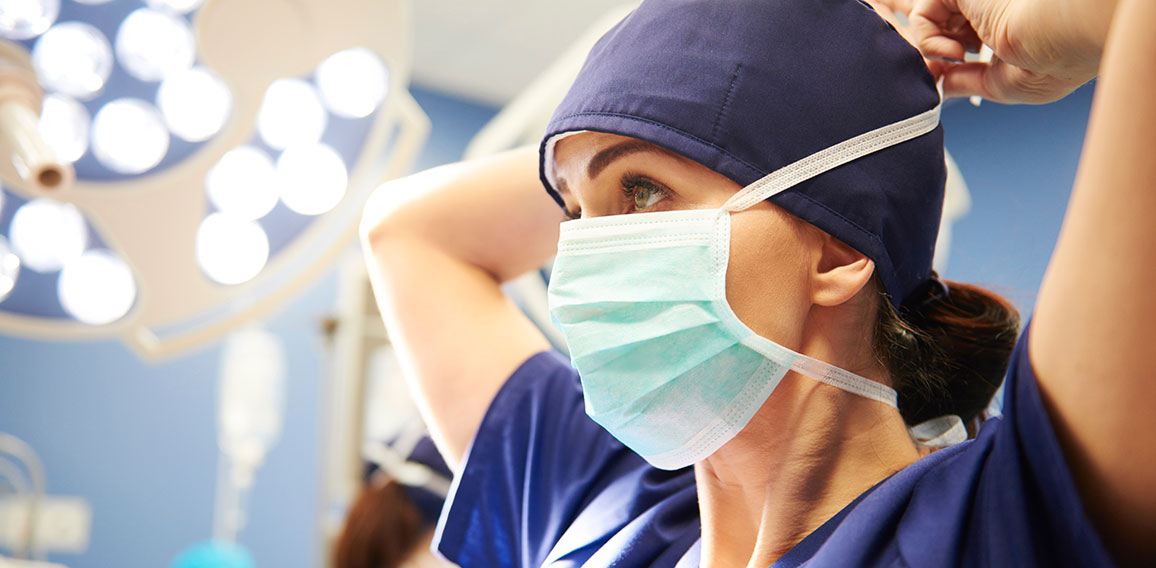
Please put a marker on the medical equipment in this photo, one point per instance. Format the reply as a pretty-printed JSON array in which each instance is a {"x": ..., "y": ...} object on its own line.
[
  {"x": 250, "y": 413},
  {"x": 222, "y": 151},
  {"x": 32, "y": 522}
]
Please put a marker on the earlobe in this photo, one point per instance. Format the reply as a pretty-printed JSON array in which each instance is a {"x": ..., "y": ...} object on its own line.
[{"x": 840, "y": 273}]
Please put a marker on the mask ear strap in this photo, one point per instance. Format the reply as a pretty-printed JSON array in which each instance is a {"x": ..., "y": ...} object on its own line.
[
  {"x": 790, "y": 175},
  {"x": 940, "y": 432}
]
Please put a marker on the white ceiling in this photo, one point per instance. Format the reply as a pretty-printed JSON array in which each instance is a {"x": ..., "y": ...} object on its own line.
[{"x": 488, "y": 50}]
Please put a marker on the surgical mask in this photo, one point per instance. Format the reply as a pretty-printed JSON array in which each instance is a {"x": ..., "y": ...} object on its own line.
[{"x": 666, "y": 366}]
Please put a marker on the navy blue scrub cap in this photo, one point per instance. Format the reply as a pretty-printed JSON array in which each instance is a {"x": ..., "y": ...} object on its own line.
[{"x": 746, "y": 87}]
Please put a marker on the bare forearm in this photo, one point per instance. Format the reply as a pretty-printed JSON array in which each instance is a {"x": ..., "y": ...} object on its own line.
[
  {"x": 438, "y": 244},
  {"x": 490, "y": 213}
]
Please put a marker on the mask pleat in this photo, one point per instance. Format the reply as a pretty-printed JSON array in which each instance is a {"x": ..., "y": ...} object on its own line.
[
  {"x": 641, "y": 368},
  {"x": 683, "y": 411}
]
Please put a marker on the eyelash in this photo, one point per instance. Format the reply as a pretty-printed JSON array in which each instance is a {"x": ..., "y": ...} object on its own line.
[{"x": 631, "y": 182}]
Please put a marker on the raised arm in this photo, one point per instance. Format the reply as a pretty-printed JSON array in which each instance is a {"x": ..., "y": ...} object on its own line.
[
  {"x": 439, "y": 244},
  {"x": 1094, "y": 329}
]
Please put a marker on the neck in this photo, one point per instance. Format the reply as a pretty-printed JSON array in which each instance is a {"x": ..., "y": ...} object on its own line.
[{"x": 794, "y": 467}]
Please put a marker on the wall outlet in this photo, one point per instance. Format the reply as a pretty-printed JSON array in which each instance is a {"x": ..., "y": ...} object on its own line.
[{"x": 63, "y": 524}]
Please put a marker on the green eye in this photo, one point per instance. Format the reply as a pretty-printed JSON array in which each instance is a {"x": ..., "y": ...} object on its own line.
[{"x": 641, "y": 197}]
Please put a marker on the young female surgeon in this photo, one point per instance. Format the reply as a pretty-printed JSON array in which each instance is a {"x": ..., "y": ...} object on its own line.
[{"x": 746, "y": 291}]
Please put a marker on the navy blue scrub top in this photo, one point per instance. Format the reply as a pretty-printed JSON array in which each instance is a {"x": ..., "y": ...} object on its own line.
[{"x": 544, "y": 485}]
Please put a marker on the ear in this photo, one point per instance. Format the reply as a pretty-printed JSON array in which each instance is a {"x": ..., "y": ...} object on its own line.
[{"x": 840, "y": 273}]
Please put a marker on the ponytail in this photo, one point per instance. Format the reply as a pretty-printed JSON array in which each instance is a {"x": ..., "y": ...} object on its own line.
[
  {"x": 382, "y": 529},
  {"x": 947, "y": 351}
]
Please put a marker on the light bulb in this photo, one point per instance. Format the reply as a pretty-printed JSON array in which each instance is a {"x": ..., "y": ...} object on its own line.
[
  {"x": 47, "y": 234},
  {"x": 231, "y": 250},
  {"x": 175, "y": 6},
  {"x": 9, "y": 268},
  {"x": 195, "y": 103},
  {"x": 97, "y": 287},
  {"x": 311, "y": 178},
  {"x": 73, "y": 58},
  {"x": 129, "y": 136},
  {"x": 64, "y": 126},
  {"x": 352, "y": 82},
  {"x": 26, "y": 19},
  {"x": 151, "y": 44},
  {"x": 242, "y": 184},
  {"x": 290, "y": 114}
]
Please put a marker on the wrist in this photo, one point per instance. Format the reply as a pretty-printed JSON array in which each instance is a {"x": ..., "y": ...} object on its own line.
[{"x": 1088, "y": 23}]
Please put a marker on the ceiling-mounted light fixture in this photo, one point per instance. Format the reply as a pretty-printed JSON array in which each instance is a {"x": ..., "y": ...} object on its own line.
[{"x": 221, "y": 151}]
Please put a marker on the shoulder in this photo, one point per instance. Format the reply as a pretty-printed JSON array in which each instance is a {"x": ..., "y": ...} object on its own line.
[
  {"x": 1004, "y": 498},
  {"x": 542, "y": 482}
]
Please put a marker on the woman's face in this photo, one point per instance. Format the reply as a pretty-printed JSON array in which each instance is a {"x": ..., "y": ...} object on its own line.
[{"x": 772, "y": 253}]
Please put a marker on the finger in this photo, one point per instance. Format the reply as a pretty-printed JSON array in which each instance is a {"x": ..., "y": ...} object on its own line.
[
  {"x": 966, "y": 80},
  {"x": 933, "y": 25},
  {"x": 901, "y": 6}
]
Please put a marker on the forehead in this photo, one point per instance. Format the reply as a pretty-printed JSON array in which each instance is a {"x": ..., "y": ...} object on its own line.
[{"x": 587, "y": 154}]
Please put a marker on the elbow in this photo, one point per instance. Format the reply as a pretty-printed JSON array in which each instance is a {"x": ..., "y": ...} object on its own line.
[{"x": 381, "y": 219}]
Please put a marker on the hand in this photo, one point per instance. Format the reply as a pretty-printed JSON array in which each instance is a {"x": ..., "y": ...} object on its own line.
[{"x": 1044, "y": 49}]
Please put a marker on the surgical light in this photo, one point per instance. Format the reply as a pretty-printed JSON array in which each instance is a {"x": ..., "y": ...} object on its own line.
[
  {"x": 152, "y": 44},
  {"x": 231, "y": 250},
  {"x": 64, "y": 125},
  {"x": 73, "y": 58},
  {"x": 47, "y": 234},
  {"x": 311, "y": 178},
  {"x": 241, "y": 184},
  {"x": 195, "y": 103},
  {"x": 26, "y": 19},
  {"x": 97, "y": 287},
  {"x": 290, "y": 114},
  {"x": 352, "y": 82},
  {"x": 204, "y": 155},
  {"x": 129, "y": 136},
  {"x": 9, "y": 268}
]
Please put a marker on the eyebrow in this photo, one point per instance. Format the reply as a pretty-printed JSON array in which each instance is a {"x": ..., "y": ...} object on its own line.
[{"x": 603, "y": 159}]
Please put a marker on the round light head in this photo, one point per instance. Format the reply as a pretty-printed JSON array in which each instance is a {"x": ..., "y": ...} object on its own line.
[
  {"x": 311, "y": 178},
  {"x": 290, "y": 114},
  {"x": 47, "y": 234},
  {"x": 151, "y": 44},
  {"x": 195, "y": 103},
  {"x": 73, "y": 58},
  {"x": 231, "y": 250},
  {"x": 129, "y": 136},
  {"x": 97, "y": 287},
  {"x": 9, "y": 268},
  {"x": 64, "y": 126},
  {"x": 26, "y": 19},
  {"x": 352, "y": 82},
  {"x": 242, "y": 184}
]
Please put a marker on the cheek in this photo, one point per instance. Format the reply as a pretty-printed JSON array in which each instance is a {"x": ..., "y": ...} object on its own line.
[{"x": 767, "y": 275}]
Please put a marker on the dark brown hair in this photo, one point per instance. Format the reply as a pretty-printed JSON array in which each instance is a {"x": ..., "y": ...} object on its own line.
[
  {"x": 382, "y": 529},
  {"x": 947, "y": 353}
]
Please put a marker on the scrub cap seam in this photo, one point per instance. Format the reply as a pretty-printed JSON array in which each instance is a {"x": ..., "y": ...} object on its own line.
[
  {"x": 757, "y": 171},
  {"x": 726, "y": 101}
]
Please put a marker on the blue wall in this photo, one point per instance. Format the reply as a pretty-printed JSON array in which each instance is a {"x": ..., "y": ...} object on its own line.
[
  {"x": 139, "y": 441},
  {"x": 1019, "y": 163}
]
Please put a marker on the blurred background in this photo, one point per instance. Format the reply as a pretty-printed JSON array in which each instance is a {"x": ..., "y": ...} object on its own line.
[{"x": 186, "y": 358}]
